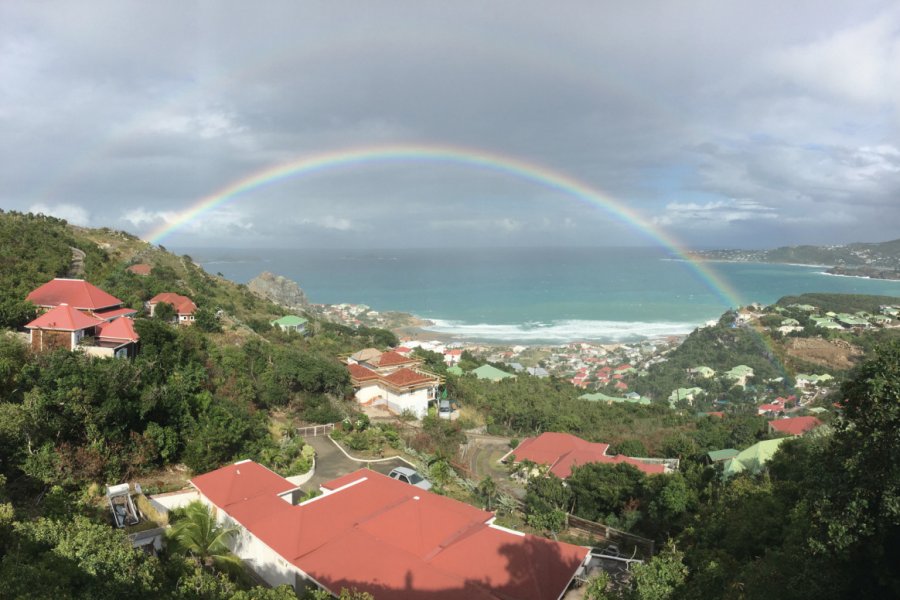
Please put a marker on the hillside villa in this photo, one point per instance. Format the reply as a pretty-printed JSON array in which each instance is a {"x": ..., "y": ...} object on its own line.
[
  {"x": 753, "y": 459},
  {"x": 739, "y": 375},
  {"x": 78, "y": 315},
  {"x": 381, "y": 536},
  {"x": 794, "y": 425},
  {"x": 562, "y": 452},
  {"x": 392, "y": 380},
  {"x": 491, "y": 373},
  {"x": 290, "y": 323},
  {"x": 184, "y": 306},
  {"x": 686, "y": 394}
]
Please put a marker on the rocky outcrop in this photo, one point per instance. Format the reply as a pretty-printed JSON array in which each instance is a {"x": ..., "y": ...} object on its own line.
[{"x": 279, "y": 290}]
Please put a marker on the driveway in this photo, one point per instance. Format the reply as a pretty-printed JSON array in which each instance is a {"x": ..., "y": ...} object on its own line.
[{"x": 331, "y": 463}]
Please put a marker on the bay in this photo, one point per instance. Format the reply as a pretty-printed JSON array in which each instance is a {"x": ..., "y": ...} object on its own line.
[{"x": 534, "y": 295}]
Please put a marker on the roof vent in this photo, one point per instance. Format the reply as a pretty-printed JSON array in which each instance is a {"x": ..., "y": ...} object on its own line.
[{"x": 415, "y": 497}]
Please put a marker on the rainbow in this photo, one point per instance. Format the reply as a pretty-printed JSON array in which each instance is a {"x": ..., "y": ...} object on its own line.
[{"x": 468, "y": 157}]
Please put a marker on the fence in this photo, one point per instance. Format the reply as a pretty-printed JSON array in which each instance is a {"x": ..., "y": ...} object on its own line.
[
  {"x": 314, "y": 430},
  {"x": 607, "y": 533}
]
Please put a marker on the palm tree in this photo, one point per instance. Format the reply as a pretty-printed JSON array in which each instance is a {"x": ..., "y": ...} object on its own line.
[
  {"x": 197, "y": 534},
  {"x": 487, "y": 491}
]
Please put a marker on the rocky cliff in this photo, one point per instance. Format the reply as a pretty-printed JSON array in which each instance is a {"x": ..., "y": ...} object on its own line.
[{"x": 279, "y": 290}]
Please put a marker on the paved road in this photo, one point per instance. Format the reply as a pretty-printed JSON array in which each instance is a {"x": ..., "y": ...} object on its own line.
[{"x": 331, "y": 463}]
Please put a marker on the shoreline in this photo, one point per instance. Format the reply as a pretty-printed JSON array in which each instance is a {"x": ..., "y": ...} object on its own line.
[{"x": 423, "y": 334}]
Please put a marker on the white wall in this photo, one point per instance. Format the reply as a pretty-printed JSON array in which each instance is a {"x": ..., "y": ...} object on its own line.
[
  {"x": 166, "y": 502},
  {"x": 416, "y": 401},
  {"x": 264, "y": 561}
]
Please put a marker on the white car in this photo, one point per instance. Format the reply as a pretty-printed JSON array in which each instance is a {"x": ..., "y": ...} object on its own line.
[{"x": 410, "y": 476}]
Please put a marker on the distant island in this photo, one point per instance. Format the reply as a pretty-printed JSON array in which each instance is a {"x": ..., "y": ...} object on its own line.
[{"x": 872, "y": 260}]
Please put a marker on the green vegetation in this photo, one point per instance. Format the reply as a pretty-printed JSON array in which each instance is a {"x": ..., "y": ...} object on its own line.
[
  {"x": 840, "y": 303},
  {"x": 199, "y": 396},
  {"x": 827, "y": 504},
  {"x": 881, "y": 255}
]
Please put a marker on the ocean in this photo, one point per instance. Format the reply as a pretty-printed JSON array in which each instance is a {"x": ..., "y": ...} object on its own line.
[{"x": 533, "y": 295}]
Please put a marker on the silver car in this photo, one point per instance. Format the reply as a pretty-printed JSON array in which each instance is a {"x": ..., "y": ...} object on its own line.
[{"x": 410, "y": 476}]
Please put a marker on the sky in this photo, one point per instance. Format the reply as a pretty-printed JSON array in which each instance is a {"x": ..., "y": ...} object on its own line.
[{"x": 720, "y": 124}]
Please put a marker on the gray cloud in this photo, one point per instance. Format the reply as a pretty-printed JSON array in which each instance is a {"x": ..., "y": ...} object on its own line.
[{"x": 755, "y": 123}]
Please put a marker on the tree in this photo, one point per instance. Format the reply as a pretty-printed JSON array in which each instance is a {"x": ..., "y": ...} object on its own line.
[
  {"x": 206, "y": 320},
  {"x": 165, "y": 312},
  {"x": 859, "y": 502},
  {"x": 547, "y": 501},
  {"x": 603, "y": 489},
  {"x": 49, "y": 558},
  {"x": 196, "y": 533},
  {"x": 598, "y": 587},
  {"x": 659, "y": 578},
  {"x": 487, "y": 491}
]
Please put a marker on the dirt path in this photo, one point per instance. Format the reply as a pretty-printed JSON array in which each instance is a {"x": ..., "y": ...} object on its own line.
[
  {"x": 483, "y": 456},
  {"x": 76, "y": 266}
]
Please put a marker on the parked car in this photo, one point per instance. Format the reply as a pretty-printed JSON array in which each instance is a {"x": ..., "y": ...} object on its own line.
[
  {"x": 445, "y": 411},
  {"x": 410, "y": 476}
]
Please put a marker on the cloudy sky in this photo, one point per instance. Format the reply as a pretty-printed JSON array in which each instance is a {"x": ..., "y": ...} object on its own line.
[{"x": 747, "y": 124}]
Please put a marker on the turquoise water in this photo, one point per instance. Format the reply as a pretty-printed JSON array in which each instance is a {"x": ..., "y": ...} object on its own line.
[{"x": 534, "y": 295}]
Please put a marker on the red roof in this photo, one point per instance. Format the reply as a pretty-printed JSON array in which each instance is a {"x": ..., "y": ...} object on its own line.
[
  {"x": 113, "y": 313},
  {"x": 564, "y": 451},
  {"x": 392, "y": 539},
  {"x": 182, "y": 304},
  {"x": 64, "y": 318},
  {"x": 404, "y": 377},
  {"x": 795, "y": 425},
  {"x": 140, "y": 269},
  {"x": 75, "y": 292},
  {"x": 391, "y": 359},
  {"x": 361, "y": 373},
  {"x": 120, "y": 329}
]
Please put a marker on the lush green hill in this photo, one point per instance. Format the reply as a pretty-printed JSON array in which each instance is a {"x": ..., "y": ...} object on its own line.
[
  {"x": 36, "y": 249},
  {"x": 883, "y": 255}
]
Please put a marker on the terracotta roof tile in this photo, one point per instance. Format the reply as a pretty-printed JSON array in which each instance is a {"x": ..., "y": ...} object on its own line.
[
  {"x": 392, "y": 539},
  {"x": 795, "y": 425},
  {"x": 75, "y": 292},
  {"x": 563, "y": 451},
  {"x": 64, "y": 318}
]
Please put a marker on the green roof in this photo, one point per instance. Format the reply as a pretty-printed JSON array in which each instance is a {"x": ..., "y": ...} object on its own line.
[
  {"x": 491, "y": 373},
  {"x": 717, "y": 455},
  {"x": 704, "y": 371},
  {"x": 753, "y": 458},
  {"x": 740, "y": 371},
  {"x": 600, "y": 397},
  {"x": 290, "y": 321},
  {"x": 455, "y": 370},
  {"x": 684, "y": 393}
]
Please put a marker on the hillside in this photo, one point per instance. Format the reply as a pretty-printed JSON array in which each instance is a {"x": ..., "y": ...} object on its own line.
[
  {"x": 869, "y": 258},
  {"x": 37, "y": 248}
]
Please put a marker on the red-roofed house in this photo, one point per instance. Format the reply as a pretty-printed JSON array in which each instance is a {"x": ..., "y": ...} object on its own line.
[
  {"x": 61, "y": 327},
  {"x": 403, "y": 389},
  {"x": 117, "y": 335},
  {"x": 140, "y": 269},
  {"x": 563, "y": 451},
  {"x": 376, "y": 534},
  {"x": 452, "y": 356},
  {"x": 794, "y": 425},
  {"x": 80, "y": 295},
  {"x": 184, "y": 306},
  {"x": 68, "y": 328}
]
